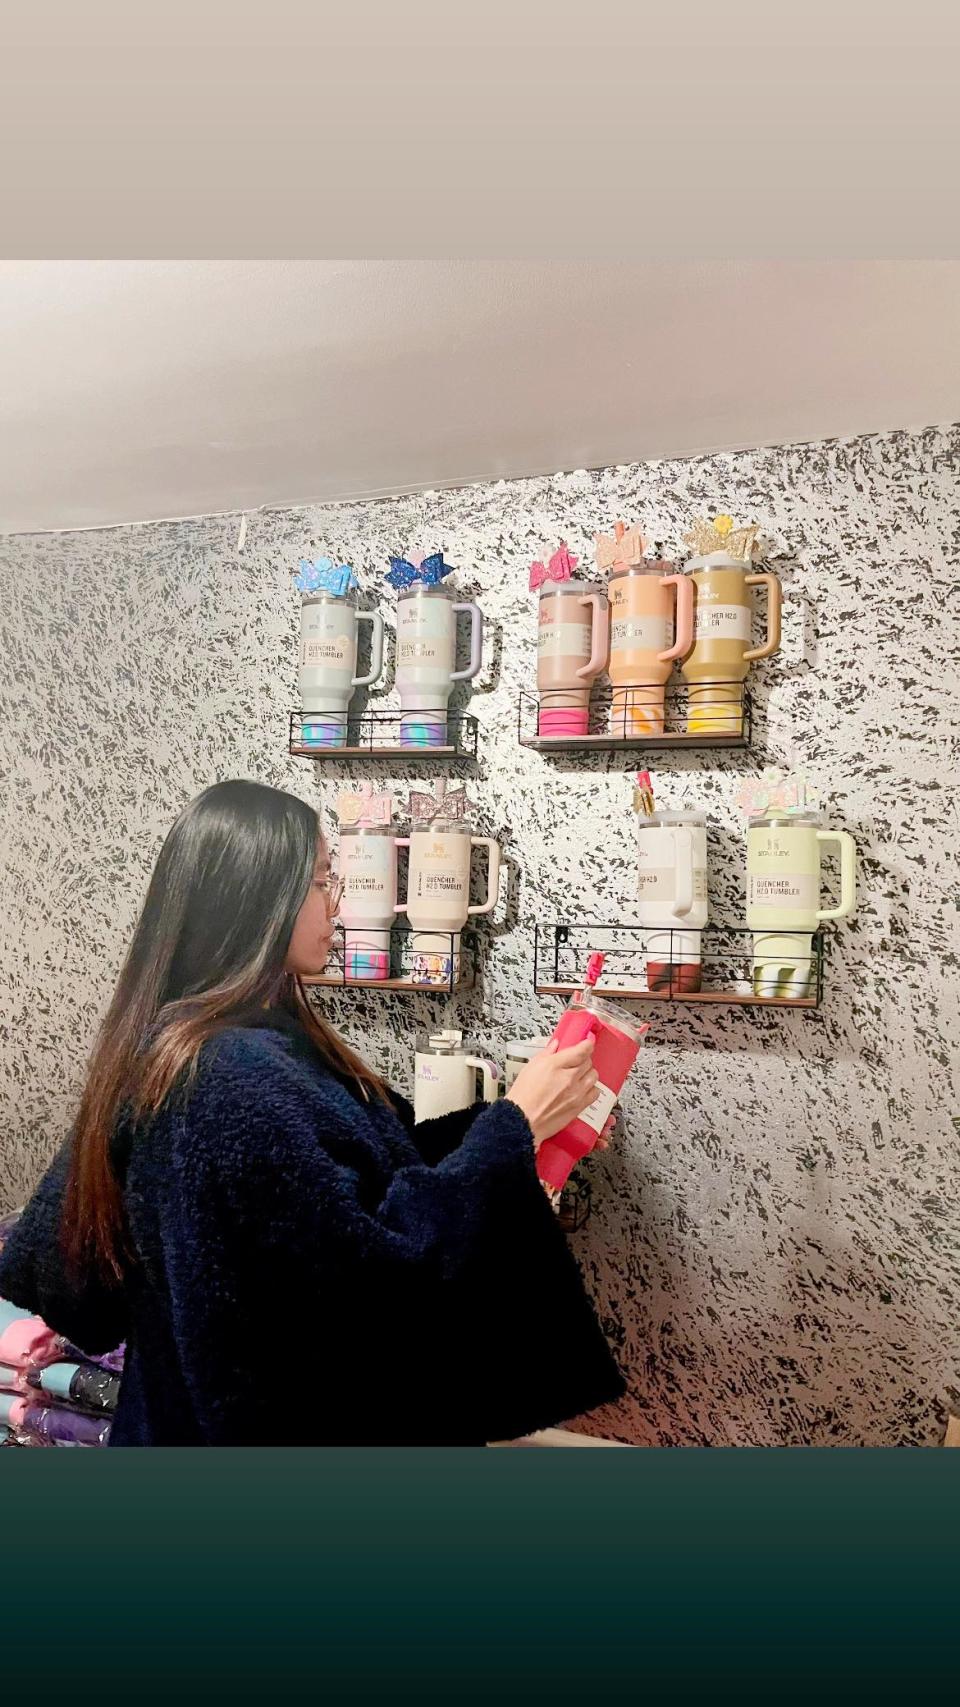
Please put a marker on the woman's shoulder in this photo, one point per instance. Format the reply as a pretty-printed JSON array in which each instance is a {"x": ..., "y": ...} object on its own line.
[
  {"x": 258, "y": 1063},
  {"x": 259, "y": 1091},
  {"x": 262, "y": 1042}
]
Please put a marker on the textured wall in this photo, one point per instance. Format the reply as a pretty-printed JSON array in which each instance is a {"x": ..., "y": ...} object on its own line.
[{"x": 774, "y": 1242}]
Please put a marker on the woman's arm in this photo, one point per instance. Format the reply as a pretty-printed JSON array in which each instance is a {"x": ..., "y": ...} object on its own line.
[
  {"x": 85, "y": 1308},
  {"x": 436, "y": 1138},
  {"x": 452, "y": 1279}
]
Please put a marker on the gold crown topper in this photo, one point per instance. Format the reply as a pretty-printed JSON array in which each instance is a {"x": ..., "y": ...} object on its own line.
[
  {"x": 625, "y": 546},
  {"x": 721, "y": 535}
]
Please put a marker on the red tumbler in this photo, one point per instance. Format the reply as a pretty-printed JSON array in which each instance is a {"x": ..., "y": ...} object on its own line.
[{"x": 618, "y": 1038}]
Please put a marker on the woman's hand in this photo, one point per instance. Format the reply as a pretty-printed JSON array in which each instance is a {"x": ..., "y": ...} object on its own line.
[
  {"x": 556, "y": 1086},
  {"x": 603, "y": 1142}
]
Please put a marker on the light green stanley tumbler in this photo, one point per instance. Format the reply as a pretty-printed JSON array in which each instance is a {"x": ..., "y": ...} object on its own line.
[{"x": 783, "y": 897}]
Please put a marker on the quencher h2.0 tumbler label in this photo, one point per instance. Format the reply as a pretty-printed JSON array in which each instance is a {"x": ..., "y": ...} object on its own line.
[
  {"x": 369, "y": 869},
  {"x": 601, "y": 1107},
  {"x": 782, "y": 889},
  {"x": 721, "y": 622},
  {"x": 564, "y": 640},
  {"x": 659, "y": 883},
  {"x": 325, "y": 640},
  {"x": 439, "y": 881},
  {"x": 425, "y": 636},
  {"x": 641, "y": 633}
]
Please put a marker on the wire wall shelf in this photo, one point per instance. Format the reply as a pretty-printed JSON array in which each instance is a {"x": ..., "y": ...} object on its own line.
[
  {"x": 573, "y": 1210},
  {"x": 718, "y": 715},
  {"x": 423, "y": 963},
  {"x": 394, "y": 734},
  {"x": 646, "y": 963}
]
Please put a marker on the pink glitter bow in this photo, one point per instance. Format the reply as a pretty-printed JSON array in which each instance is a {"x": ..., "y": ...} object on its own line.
[{"x": 560, "y": 568}]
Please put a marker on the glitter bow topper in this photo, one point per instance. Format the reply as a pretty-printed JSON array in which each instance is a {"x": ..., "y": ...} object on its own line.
[
  {"x": 425, "y": 807},
  {"x": 560, "y": 568},
  {"x": 784, "y": 791},
  {"x": 366, "y": 807},
  {"x": 326, "y": 576},
  {"x": 625, "y": 546},
  {"x": 404, "y": 571},
  {"x": 706, "y": 537}
]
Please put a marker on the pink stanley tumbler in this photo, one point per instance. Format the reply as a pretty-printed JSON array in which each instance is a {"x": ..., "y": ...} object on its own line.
[{"x": 614, "y": 1052}]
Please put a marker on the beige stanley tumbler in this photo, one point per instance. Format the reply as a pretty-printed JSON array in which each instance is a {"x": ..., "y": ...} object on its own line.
[{"x": 717, "y": 664}]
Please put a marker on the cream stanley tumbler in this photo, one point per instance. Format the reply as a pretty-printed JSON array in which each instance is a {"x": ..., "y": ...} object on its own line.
[
  {"x": 573, "y": 639},
  {"x": 445, "y": 1075},
  {"x": 651, "y": 624},
  {"x": 517, "y": 1053},
  {"x": 783, "y": 897},
  {"x": 368, "y": 907},
  {"x": 438, "y": 894},
  {"x": 717, "y": 665},
  {"x": 329, "y": 622},
  {"x": 672, "y": 889},
  {"x": 368, "y": 866},
  {"x": 427, "y": 614}
]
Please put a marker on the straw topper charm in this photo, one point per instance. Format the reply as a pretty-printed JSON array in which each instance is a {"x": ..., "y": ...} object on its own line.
[
  {"x": 560, "y": 568},
  {"x": 643, "y": 794},
  {"x": 720, "y": 535},
  {"x": 365, "y": 807},
  {"x": 404, "y": 571},
  {"x": 626, "y": 546},
  {"x": 323, "y": 575},
  {"x": 776, "y": 790},
  {"x": 443, "y": 803}
]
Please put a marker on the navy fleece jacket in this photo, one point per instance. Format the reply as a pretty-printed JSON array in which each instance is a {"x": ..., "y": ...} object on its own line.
[{"x": 313, "y": 1270}]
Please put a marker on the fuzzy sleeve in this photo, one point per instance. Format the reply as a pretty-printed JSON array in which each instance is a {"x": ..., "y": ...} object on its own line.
[
  {"x": 435, "y": 1139},
  {"x": 451, "y": 1283},
  {"x": 83, "y": 1308}
]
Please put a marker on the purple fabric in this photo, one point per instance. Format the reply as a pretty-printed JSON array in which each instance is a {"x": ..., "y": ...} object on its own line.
[
  {"x": 58, "y": 1425},
  {"x": 110, "y": 1360}
]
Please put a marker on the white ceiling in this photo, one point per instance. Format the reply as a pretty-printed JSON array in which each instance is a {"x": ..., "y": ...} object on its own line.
[{"x": 132, "y": 390}]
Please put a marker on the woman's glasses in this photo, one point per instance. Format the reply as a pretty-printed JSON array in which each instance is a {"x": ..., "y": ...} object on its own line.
[{"x": 333, "y": 890}]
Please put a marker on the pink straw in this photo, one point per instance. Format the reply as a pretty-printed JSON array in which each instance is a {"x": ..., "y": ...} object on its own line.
[{"x": 594, "y": 969}]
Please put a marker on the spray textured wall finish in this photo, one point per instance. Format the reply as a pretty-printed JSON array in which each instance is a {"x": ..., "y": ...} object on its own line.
[{"x": 773, "y": 1249}]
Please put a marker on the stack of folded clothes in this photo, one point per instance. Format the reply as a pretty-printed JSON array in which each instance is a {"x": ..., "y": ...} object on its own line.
[{"x": 51, "y": 1393}]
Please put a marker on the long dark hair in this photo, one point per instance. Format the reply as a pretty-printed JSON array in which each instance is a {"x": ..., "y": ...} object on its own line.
[{"x": 208, "y": 951}]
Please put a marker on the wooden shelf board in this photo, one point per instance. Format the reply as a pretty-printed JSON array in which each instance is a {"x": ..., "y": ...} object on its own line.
[
  {"x": 297, "y": 752},
  {"x": 692, "y": 997},
  {"x": 327, "y": 982},
  {"x": 612, "y": 743}
]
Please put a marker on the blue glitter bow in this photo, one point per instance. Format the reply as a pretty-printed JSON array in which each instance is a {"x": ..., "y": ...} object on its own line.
[
  {"x": 324, "y": 576},
  {"x": 431, "y": 571}
]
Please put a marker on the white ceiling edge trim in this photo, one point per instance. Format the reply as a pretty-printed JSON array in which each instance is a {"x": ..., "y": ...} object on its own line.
[{"x": 374, "y": 493}]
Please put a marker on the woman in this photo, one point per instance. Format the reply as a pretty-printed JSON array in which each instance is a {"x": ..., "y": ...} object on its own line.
[{"x": 246, "y": 1203}]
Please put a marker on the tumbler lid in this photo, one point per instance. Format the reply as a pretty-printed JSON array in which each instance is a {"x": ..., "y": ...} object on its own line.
[
  {"x": 694, "y": 820},
  {"x": 442, "y": 826},
  {"x": 524, "y": 1049},
  {"x": 439, "y": 1042},
  {"x": 779, "y": 815}
]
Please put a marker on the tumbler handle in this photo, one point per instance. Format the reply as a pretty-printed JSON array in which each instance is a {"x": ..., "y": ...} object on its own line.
[
  {"x": 476, "y": 643},
  {"x": 403, "y": 842},
  {"x": 376, "y": 647},
  {"x": 599, "y": 635},
  {"x": 684, "y": 619},
  {"x": 491, "y": 1075},
  {"x": 774, "y": 605},
  {"x": 683, "y": 840},
  {"x": 493, "y": 873},
  {"x": 848, "y": 873}
]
